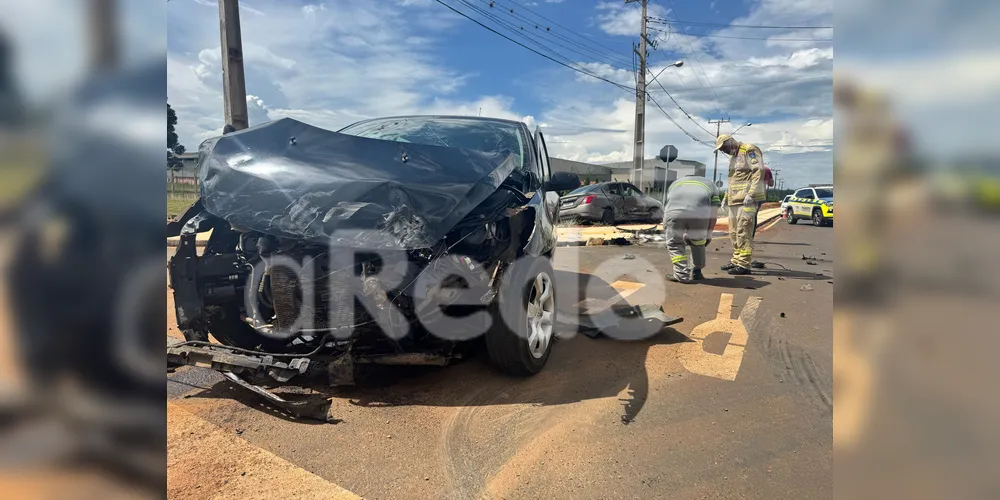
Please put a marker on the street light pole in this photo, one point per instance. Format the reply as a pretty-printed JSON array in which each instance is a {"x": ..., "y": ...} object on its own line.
[
  {"x": 747, "y": 124},
  {"x": 674, "y": 65}
]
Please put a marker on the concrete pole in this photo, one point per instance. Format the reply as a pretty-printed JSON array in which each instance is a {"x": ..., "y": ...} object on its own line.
[
  {"x": 104, "y": 44},
  {"x": 718, "y": 132},
  {"x": 640, "y": 104},
  {"x": 234, "y": 90}
]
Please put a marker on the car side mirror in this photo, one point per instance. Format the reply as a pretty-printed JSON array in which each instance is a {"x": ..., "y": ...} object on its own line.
[{"x": 563, "y": 181}]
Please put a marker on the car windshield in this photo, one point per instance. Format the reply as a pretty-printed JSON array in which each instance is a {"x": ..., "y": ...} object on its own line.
[
  {"x": 479, "y": 135},
  {"x": 585, "y": 189},
  {"x": 824, "y": 193}
]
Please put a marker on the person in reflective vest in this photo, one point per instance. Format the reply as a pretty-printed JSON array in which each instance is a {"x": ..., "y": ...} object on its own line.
[
  {"x": 688, "y": 221},
  {"x": 743, "y": 195}
]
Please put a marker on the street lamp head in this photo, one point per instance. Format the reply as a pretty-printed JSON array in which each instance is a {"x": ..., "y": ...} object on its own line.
[
  {"x": 678, "y": 64},
  {"x": 748, "y": 124}
]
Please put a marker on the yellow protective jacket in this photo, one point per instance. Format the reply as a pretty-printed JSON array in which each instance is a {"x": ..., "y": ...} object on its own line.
[{"x": 746, "y": 175}]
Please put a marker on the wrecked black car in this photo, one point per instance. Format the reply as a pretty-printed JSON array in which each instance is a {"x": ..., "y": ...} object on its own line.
[{"x": 391, "y": 241}]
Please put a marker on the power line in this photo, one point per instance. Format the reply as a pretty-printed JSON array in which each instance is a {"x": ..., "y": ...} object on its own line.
[
  {"x": 701, "y": 109},
  {"x": 752, "y": 26},
  {"x": 708, "y": 35},
  {"x": 689, "y": 134},
  {"x": 697, "y": 59},
  {"x": 595, "y": 49},
  {"x": 616, "y": 84},
  {"x": 563, "y": 27},
  {"x": 530, "y": 38},
  {"x": 770, "y": 82},
  {"x": 688, "y": 115}
]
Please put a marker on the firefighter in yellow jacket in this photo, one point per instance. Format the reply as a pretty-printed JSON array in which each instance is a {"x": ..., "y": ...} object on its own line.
[{"x": 743, "y": 195}]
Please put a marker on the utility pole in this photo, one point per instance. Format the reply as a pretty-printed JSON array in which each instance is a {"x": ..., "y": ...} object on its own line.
[
  {"x": 718, "y": 131},
  {"x": 640, "y": 103},
  {"x": 234, "y": 89},
  {"x": 103, "y": 35}
]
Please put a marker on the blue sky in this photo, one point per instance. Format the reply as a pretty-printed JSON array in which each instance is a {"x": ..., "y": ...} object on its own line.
[{"x": 333, "y": 62}]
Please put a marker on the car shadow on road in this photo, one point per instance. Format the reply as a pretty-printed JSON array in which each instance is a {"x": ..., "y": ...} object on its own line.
[{"x": 580, "y": 367}]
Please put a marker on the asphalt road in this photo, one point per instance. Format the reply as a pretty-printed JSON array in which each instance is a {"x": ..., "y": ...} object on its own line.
[{"x": 695, "y": 411}]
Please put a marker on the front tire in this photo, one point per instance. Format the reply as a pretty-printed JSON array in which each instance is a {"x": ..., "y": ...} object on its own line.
[
  {"x": 790, "y": 216},
  {"x": 520, "y": 341},
  {"x": 817, "y": 217},
  {"x": 656, "y": 217}
]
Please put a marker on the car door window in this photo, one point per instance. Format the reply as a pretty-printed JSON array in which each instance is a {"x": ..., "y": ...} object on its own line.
[
  {"x": 615, "y": 189},
  {"x": 804, "y": 193}
]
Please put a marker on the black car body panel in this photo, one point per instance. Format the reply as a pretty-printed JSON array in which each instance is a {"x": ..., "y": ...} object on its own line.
[{"x": 290, "y": 179}]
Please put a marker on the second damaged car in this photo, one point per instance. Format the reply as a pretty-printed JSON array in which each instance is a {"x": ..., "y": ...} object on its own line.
[{"x": 393, "y": 241}]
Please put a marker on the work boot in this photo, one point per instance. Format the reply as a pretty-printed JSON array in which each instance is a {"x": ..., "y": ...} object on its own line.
[
  {"x": 675, "y": 279},
  {"x": 696, "y": 275},
  {"x": 739, "y": 271},
  {"x": 757, "y": 264},
  {"x": 728, "y": 266}
]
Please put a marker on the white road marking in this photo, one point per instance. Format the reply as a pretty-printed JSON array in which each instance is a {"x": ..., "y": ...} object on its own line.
[{"x": 727, "y": 365}]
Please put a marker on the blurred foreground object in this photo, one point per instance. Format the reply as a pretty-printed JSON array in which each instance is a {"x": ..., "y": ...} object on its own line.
[{"x": 84, "y": 278}]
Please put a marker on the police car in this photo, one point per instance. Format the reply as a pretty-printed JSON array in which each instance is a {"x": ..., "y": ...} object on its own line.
[{"x": 813, "y": 203}]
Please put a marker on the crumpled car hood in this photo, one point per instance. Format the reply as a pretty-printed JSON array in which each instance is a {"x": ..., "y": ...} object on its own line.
[{"x": 293, "y": 180}]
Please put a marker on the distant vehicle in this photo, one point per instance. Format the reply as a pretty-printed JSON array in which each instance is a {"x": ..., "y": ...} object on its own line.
[
  {"x": 784, "y": 203},
  {"x": 610, "y": 203},
  {"x": 813, "y": 203}
]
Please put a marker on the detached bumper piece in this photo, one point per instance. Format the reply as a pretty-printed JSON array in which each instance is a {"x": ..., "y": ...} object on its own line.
[
  {"x": 231, "y": 364},
  {"x": 225, "y": 359}
]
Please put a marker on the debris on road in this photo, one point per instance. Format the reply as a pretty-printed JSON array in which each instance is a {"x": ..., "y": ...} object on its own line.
[
  {"x": 806, "y": 288},
  {"x": 628, "y": 256},
  {"x": 811, "y": 263},
  {"x": 595, "y": 242},
  {"x": 782, "y": 315}
]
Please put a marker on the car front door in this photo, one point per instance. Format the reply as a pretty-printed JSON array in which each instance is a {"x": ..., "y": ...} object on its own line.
[{"x": 550, "y": 199}]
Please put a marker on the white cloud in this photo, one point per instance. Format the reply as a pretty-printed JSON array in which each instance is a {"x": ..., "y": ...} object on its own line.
[
  {"x": 619, "y": 18},
  {"x": 307, "y": 63}
]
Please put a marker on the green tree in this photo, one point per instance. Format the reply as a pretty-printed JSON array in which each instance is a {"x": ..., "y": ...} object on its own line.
[{"x": 174, "y": 147}]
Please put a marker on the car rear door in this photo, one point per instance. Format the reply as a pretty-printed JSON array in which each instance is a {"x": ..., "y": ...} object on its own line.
[
  {"x": 615, "y": 196},
  {"x": 633, "y": 201}
]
